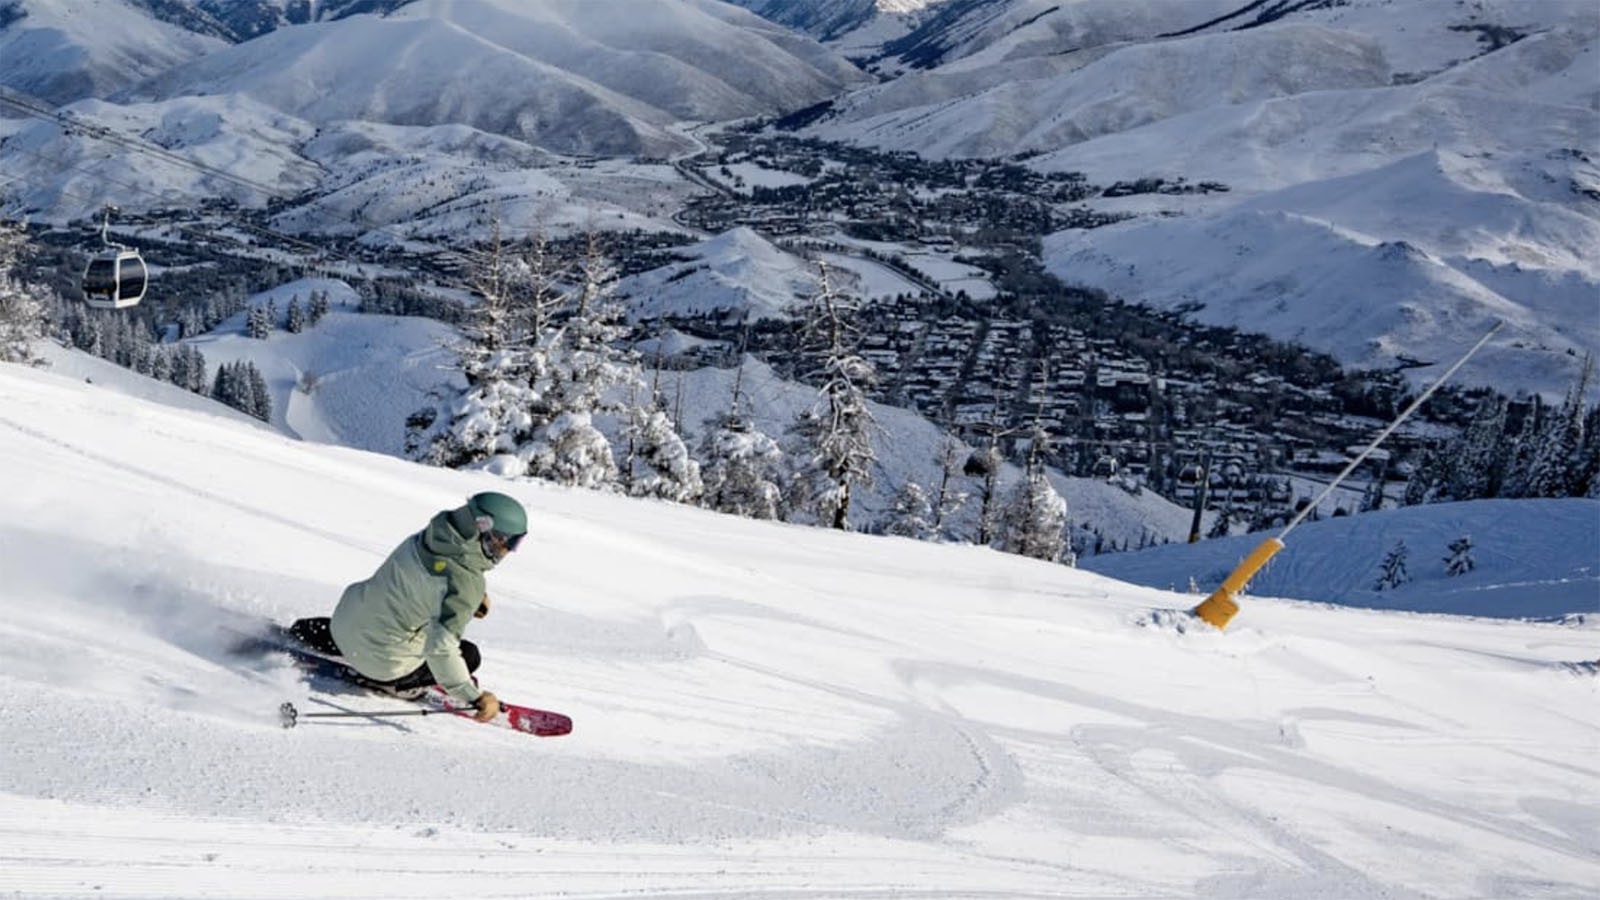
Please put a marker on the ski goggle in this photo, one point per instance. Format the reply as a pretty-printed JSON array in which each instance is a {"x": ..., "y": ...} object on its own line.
[{"x": 497, "y": 544}]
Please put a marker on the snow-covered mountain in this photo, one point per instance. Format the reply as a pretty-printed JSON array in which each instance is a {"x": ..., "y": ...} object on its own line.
[
  {"x": 252, "y": 18},
  {"x": 760, "y": 709},
  {"x": 1397, "y": 174},
  {"x": 830, "y": 20},
  {"x": 1384, "y": 178},
  {"x": 573, "y": 76},
  {"x": 66, "y": 50}
]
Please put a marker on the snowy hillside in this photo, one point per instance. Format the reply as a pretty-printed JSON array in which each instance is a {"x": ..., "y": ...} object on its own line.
[
  {"x": 1530, "y": 558},
  {"x": 739, "y": 274},
  {"x": 760, "y": 709}
]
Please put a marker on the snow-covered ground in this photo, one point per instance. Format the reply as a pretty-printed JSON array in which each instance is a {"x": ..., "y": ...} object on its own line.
[{"x": 761, "y": 709}]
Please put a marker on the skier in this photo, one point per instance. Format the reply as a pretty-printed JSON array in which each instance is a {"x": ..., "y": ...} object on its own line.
[{"x": 401, "y": 628}]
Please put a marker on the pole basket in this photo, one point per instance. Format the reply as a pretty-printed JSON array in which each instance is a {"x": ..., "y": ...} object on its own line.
[{"x": 1220, "y": 608}]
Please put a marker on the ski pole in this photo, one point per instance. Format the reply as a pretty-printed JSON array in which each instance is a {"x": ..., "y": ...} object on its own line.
[
  {"x": 289, "y": 716},
  {"x": 1221, "y": 606}
]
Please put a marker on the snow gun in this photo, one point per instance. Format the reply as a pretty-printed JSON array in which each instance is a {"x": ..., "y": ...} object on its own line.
[{"x": 1220, "y": 608}]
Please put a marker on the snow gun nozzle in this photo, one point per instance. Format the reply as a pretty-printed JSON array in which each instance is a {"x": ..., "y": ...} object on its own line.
[{"x": 288, "y": 716}]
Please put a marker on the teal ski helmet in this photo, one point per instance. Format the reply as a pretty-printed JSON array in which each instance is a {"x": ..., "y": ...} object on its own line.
[{"x": 504, "y": 514}]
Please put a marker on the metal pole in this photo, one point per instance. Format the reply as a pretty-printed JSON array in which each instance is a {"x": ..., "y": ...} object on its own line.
[{"x": 289, "y": 716}]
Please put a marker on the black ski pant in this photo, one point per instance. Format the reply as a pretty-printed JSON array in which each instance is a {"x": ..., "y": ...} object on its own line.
[{"x": 314, "y": 633}]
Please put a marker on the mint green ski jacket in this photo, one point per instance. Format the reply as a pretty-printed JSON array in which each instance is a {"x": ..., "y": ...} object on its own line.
[{"x": 414, "y": 609}]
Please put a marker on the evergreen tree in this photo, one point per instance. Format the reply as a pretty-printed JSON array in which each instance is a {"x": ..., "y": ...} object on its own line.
[
  {"x": 23, "y": 307},
  {"x": 257, "y": 323},
  {"x": 241, "y": 386},
  {"x": 1522, "y": 448},
  {"x": 223, "y": 389},
  {"x": 259, "y": 397},
  {"x": 1460, "y": 559},
  {"x": 319, "y": 307},
  {"x": 1553, "y": 469},
  {"x": 161, "y": 365},
  {"x": 1589, "y": 457},
  {"x": 586, "y": 371},
  {"x": 1393, "y": 571},
  {"x": 1478, "y": 453},
  {"x": 660, "y": 464},
  {"x": 296, "y": 317},
  {"x": 1035, "y": 520},
  {"x": 912, "y": 515},
  {"x": 837, "y": 431},
  {"x": 503, "y": 360},
  {"x": 194, "y": 370},
  {"x": 572, "y": 451},
  {"x": 1424, "y": 479},
  {"x": 744, "y": 467}
]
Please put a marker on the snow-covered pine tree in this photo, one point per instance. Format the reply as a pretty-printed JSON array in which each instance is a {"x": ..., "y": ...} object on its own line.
[
  {"x": 1392, "y": 573},
  {"x": 1035, "y": 520},
  {"x": 587, "y": 371},
  {"x": 161, "y": 365},
  {"x": 503, "y": 357},
  {"x": 224, "y": 389},
  {"x": 23, "y": 307},
  {"x": 836, "y": 432},
  {"x": 193, "y": 370},
  {"x": 295, "y": 318},
  {"x": 258, "y": 324},
  {"x": 319, "y": 307},
  {"x": 241, "y": 386},
  {"x": 1523, "y": 447},
  {"x": 260, "y": 397},
  {"x": 1425, "y": 478},
  {"x": 661, "y": 464},
  {"x": 1589, "y": 459},
  {"x": 912, "y": 515},
  {"x": 1478, "y": 453},
  {"x": 1552, "y": 472},
  {"x": 744, "y": 468},
  {"x": 1460, "y": 561}
]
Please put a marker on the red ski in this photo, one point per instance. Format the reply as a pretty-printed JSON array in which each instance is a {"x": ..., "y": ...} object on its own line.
[{"x": 541, "y": 722}]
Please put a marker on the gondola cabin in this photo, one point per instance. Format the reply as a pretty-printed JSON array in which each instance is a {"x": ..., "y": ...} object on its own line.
[{"x": 115, "y": 279}]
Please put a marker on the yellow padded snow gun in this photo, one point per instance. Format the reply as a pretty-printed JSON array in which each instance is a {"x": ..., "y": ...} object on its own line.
[{"x": 1220, "y": 608}]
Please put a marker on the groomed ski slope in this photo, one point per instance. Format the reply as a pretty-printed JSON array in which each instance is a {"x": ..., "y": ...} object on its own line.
[{"x": 762, "y": 710}]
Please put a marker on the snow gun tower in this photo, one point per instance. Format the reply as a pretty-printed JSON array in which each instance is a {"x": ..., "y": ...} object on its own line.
[{"x": 1220, "y": 608}]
